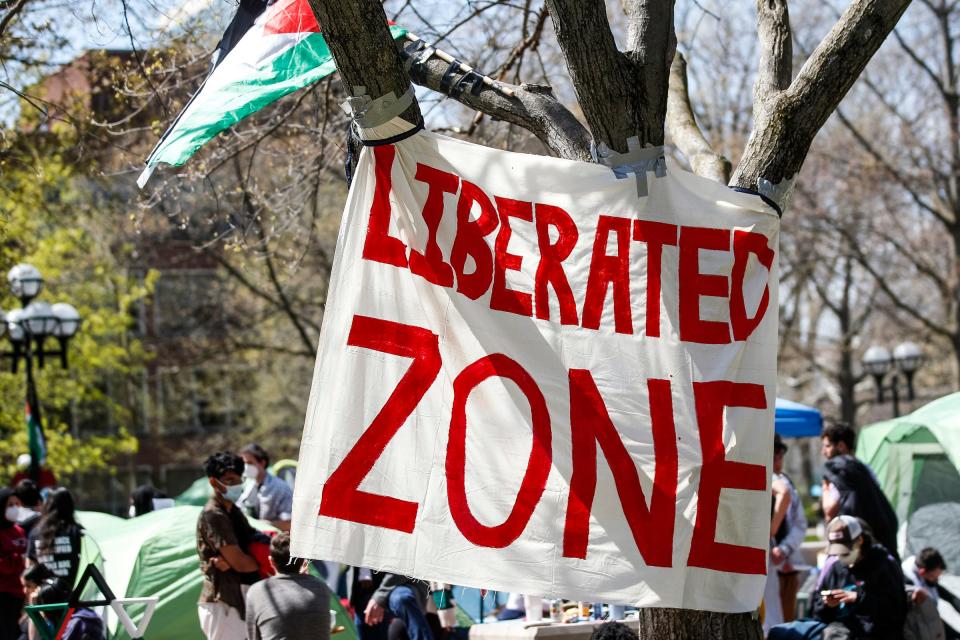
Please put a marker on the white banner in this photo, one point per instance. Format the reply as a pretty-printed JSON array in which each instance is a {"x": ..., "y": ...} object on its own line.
[{"x": 545, "y": 376}]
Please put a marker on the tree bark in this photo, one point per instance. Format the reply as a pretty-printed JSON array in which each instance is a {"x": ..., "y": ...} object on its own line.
[
  {"x": 621, "y": 95},
  {"x": 358, "y": 36},
  {"x": 684, "y": 624}
]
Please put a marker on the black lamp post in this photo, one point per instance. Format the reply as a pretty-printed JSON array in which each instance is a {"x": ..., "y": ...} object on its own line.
[
  {"x": 29, "y": 330},
  {"x": 878, "y": 362}
]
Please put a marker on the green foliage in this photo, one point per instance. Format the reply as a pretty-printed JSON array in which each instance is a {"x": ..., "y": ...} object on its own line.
[{"x": 56, "y": 221}]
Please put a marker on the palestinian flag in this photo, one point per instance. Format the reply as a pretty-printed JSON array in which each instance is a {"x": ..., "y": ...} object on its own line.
[{"x": 254, "y": 65}]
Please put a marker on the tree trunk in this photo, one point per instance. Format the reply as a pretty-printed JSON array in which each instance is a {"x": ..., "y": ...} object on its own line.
[{"x": 684, "y": 624}]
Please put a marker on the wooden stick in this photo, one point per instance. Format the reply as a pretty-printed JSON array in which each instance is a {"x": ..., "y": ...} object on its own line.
[{"x": 465, "y": 68}]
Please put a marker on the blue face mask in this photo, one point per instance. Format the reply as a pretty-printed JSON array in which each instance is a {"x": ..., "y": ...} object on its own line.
[{"x": 231, "y": 493}]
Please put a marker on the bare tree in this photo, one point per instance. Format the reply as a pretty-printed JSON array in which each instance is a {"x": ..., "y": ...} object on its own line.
[{"x": 626, "y": 93}]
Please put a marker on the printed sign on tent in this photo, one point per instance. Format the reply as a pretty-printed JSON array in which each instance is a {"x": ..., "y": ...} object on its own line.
[{"x": 533, "y": 378}]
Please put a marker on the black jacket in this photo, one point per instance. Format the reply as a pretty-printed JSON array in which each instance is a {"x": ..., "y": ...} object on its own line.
[
  {"x": 862, "y": 498},
  {"x": 881, "y": 606}
]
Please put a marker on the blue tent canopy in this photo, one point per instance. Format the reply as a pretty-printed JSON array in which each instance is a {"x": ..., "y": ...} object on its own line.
[{"x": 795, "y": 420}]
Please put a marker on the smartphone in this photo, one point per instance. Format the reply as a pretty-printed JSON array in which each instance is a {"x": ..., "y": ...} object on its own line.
[{"x": 826, "y": 593}]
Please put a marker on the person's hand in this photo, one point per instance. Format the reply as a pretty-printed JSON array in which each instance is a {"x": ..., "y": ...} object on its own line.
[
  {"x": 778, "y": 555},
  {"x": 374, "y": 613},
  {"x": 219, "y": 563},
  {"x": 919, "y": 596},
  {"x": 837, "y": 597}
]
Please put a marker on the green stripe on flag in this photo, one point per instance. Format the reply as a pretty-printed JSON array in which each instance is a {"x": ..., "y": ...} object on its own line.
[{"x": 215, "y": 110}]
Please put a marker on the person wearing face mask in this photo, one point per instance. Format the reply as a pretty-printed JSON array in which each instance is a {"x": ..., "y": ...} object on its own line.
[
  {"x": 266, "y": 496},
  {"x": 223, "y": 536},
  {"x": 861, "y": 593},
  {"x": 13, "y": 546}
]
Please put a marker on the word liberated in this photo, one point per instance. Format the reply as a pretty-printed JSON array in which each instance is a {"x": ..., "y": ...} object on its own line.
[
  {"x": 489, "y": 267},
  {"x": 530, "y": 379},
  {"x": 650, "y": 523}
]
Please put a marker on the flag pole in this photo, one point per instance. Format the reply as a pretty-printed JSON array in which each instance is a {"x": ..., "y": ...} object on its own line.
[
  {"x": 33, "y": 415},
  {"x": 465, "y": 68}
]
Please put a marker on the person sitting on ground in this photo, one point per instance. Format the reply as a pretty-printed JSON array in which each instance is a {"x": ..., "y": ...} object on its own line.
[
  {"x": 83, "y": 623},
  {"x": 30, "y": 504},
  {"x": 850, "y": 487},
  {"x": 292, "y": 604},
  {"x": 223, "y": 535},
  {"x": 31, "y": 580},
  {"x": 922, "y": 575},
  {"x": 861, "y": 592},
  {"x": 406, "y": 599},
  {"x": 56, "y": 539},
  {"x": 267, "y": 497}
]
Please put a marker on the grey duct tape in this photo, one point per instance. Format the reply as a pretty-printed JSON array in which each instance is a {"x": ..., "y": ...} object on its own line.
[
  {"x": 368, "y": 113},
  {"x": 637, "y": 161},
  {"x": 779, "y": 193}
]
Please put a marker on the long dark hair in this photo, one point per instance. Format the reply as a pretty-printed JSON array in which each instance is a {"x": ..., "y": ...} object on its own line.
[{"x": 58, "y": 516}]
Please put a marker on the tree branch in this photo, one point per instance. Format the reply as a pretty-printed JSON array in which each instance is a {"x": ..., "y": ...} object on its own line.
[
  {"x": 621, "y": 95},
  {"x": 685, "y": 132},
  {"x": 11, "y": 14},
  {"x": 776, "y": 49},
  {"x": 785, "y": 125},
  {"x": 359, "y": 39},
  {"x": 532, "y": 107}
]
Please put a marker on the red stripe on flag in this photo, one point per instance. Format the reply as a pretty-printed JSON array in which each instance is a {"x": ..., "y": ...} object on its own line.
[{"x": 290, "y": 16}]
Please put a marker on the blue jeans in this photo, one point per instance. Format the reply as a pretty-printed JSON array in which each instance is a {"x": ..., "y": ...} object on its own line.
[{"x": 403, "y": 604}]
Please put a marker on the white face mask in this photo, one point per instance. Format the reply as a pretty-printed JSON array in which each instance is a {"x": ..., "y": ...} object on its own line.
[
  {"x": 851, "y": 558},
  {"x": 132, "y": 511},
  {"x": 12, "y": 513},
  {"x": 251, "y": 471},
  {"x": 232, "y": 492},
  {"x": 25, "y": 514}
]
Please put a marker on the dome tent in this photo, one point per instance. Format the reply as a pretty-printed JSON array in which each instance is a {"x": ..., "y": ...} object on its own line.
[{"x": 916, "y": 457}]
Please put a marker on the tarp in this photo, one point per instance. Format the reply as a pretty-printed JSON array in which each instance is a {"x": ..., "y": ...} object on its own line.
[
  {"x": 916, "y": 457},
  {"x": 795, "y": 420},
  {"x": 492, "y": 318},
  {"x": 156, "y": 555}
]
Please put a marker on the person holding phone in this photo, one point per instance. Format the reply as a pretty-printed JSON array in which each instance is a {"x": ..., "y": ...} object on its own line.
[{"x": 861, "y": 595}]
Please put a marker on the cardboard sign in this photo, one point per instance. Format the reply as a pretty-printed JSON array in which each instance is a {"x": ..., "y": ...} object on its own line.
[{"x": 531, "y": 378}]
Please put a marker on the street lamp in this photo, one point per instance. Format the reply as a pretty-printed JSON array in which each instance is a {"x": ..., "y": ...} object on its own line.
[
  {"x": 29, "y": 330},
  {"x": 878, "y": 362}
]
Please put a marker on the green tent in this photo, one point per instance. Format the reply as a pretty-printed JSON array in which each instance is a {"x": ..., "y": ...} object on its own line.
[
  {"x": 155, "y": 555},
  {"x": 916, "y": 457}
]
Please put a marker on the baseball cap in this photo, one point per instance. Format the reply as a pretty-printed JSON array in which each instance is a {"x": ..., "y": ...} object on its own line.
[{"x": 841, "y": 532}]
